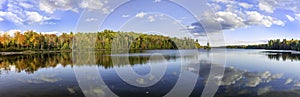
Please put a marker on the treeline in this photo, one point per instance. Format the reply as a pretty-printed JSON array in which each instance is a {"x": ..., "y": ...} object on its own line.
[
  {"x": 31, "y": 40},
  {"x": 284, "y": 44},
  {"x": 104, "y": 40},
  {"x": 276, "y": 44}
]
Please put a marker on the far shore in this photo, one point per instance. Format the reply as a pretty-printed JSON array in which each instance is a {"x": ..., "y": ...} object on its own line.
[
  {"x": 31, "y": 52},
  {"x": 7, "y": 53}
]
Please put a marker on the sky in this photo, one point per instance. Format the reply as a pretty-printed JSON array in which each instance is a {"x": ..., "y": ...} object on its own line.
[{"x": 221, "y": 22}]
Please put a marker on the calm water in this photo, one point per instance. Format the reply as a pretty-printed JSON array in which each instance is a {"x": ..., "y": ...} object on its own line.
[{"x": 248, "y": 73}]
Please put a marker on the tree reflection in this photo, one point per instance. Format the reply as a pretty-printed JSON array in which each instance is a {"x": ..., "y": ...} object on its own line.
[
  {"x": 34, "y": 62},
  {"x": 284, "y": 56},
  {"x": 31, "y": 63}
]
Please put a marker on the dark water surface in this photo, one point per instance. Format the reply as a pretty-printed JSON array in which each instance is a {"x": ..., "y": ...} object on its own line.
[{"x": 248, "y": 73}]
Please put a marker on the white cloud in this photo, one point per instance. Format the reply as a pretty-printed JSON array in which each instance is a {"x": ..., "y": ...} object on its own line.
[
  {"x": 177, "y": 21},
  {"x": 232, "y": 20},
  {"x": 265, "y": 7},
  {"x": 50, "y": 6},
  {"x": 91, "y": 19},
  {"x": 17, "y": 13},
  {"x": 191, "y": 27},
  {"x": 106, "y": 10},
  {"x": 229, "y": 20},
  {"x": 1, "y": 19},
  {"x": 271, "y": 5},
  {"x": 255, "y": 18},
  {"x": 48, "y": 23},
  {"x": 12, "y": 6},
  {"x": 233, "y": 14},
  {"x": 245, "y": 5},
  {"x": 26, "y": 5},
  {"x": 92, "y": 4},
  {"x": 12, "y": 32},
  {"x": 125, "y": 16},
  {"x": 34, "y": 17},
  {"x": 157, "y": 1},
  {"x": 52, "y": 32},
  {"x": 297, "y": 16},
  {"x": 274, "y": 21},
  {"x": 151, "y": 18},
  {"x": 225, "y": 1},
  {"x": 290, "y": 18},
  {"x": 141, "y": 15},
  {"x": 11, "y": 17},
  {"x": 215, "y": 6}
]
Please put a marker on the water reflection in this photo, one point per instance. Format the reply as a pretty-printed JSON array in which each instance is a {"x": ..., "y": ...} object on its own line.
[
  {"x": 52, "y": 75},
  {"x": 284, "y": 56},
  {"x": 32, "y": 63}
]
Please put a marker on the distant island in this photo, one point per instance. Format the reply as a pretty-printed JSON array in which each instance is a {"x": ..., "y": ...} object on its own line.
[
  {"x": 276, "y": 44},
  {"x": 31, "y": 41}
]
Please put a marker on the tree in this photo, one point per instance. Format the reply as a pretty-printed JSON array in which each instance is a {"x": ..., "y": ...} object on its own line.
[
  {"x": 31, "y": 40},
  {"x": 5, "y": 40}
]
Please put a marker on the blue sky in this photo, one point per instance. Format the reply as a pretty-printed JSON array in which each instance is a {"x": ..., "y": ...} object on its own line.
[{"x": 232, "y": 21}]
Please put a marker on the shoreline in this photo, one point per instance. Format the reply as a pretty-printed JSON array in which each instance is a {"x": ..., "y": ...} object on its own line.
[
  {"x": 31, "y": 52},
  {"x": 67, "y": 51},
  {"x": 3, "y": 53}
]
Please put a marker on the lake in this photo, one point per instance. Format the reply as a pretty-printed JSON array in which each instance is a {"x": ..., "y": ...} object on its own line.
[{"x": 153, "y": 73}]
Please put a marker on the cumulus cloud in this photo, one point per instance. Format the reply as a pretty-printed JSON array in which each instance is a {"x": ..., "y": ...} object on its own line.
[
  {"x": 141, "y": 15},
  {"x": 50, "y": 6},
  {"x": 13, "y": 7},
  {"x": 91, "y": 19},
  {"x": 290, "y": 18},
  {"x": 232, "y": 14},
  {"x": 245, "y": 5},
  {"x": 92, "y": 4},
  {"x": 264, "y": 6},
  {"x": 34, "y": 17},
  {"x": 215, "y": 6},
  {"x": 52, "y": 32},
  {"x": 255, "y": 18},
  {"x": 11, "y": 17},
  {"x": 125, "y": 16},
  {"x": 157, "y": 1},
  {"x": 151, "y": 18},
  {"x": 229, "y": 20},
  {"x": 297, "y": 16},
  {"x": 10, "y": 32},
  {"x": 18, "y": 13},
  {"x": 225, "y": 1},
  {"x": 26, "y": 5},
  {"x": 271, "y": 5},
  {"x": 48, "y": 23}
]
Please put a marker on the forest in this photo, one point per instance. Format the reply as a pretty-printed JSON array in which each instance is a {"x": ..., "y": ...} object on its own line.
[
  {"x": 276, "y": 44},
  {"x": 30, "y": 40}
]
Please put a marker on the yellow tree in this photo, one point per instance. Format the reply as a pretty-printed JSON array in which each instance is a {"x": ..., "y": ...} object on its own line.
[
  {"x": 5, "y": 39},
  {"x": 19, "y": 39}
]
